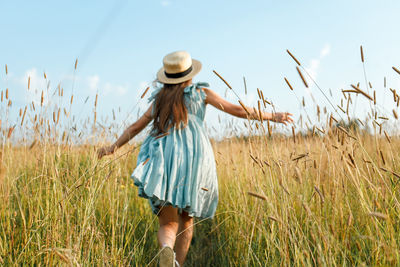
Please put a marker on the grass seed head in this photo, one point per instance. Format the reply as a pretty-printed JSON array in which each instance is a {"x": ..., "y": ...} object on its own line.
[
  {"x": 396, "y": 69},
  {"x": 292, "y": 56},
  {"x": 42, "y": 98},
  {"x": 362, "y": 54},
  {"x": 387, "y": 136},
  {"x": 10, "y": 131},
  {"x": 259, "y": 94},
  {"x": 294, "y": 135},
  {"x": 145, "y": 92},
  {"x": 219, "y": 76},
  {"x": 302, "y": 77},
  {"x": 378, "y": 215},
  {"x": 23, "y": 116},
  {"x": 288, "y": 83},
  {"x": 244, "y": 107},
  {"x": 257, "y": 195}
]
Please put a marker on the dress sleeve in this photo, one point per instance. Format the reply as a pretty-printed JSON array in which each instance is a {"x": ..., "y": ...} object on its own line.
[
  {"x": 202, "y": 93},
  {"x": 194, "y": 94}
]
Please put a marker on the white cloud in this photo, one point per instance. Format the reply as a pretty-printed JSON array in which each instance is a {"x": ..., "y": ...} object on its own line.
[
  {"x": 120, "y": 90},
  {"x": 94, "y": 85},
  {"x": 93, "y": 82},
  {"x": 325, "y": 51},
  {"x": 313, "y": 67},
  {"x": 165, "y": 3},
  {"x": 37, "y": 84}
]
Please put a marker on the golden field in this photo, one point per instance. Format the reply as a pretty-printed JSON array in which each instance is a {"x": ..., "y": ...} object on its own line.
[
  {"x": 325, "y": 195},
  {"x": 325, "y": 201}
]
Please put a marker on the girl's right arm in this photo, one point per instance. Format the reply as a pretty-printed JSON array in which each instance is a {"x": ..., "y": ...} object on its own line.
[
  {"x": 128, "y": 134},
  {"x": 237, "y": 110}
]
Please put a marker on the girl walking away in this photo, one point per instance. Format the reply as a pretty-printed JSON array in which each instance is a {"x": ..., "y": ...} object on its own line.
[{"x": 175, "y": 167}]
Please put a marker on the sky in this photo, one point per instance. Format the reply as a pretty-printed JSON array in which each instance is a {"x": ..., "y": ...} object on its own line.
[{"x": 120, "y": 45}]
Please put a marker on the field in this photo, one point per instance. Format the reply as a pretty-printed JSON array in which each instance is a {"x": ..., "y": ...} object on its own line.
[
  {"x": 336, "y": 205},
  {"x": 324, "y": 196}
]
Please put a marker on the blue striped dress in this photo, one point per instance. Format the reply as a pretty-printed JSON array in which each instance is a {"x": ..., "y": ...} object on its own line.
[{"x": 179, "y": 169}]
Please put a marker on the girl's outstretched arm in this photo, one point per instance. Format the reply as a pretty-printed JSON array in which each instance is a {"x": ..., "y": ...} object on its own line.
[
  {"x": 237, "y": 110},
  {"x": 128, "y": 134}
]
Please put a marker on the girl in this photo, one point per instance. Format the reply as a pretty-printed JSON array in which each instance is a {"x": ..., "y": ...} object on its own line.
[{"x": 176, "y": 167}]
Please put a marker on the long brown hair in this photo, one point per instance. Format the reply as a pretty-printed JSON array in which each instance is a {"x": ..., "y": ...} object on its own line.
[{"x": 169, "y": 108}]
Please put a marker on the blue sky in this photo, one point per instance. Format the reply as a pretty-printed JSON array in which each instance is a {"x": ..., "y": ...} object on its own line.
[{"x": 120, "y": 46}]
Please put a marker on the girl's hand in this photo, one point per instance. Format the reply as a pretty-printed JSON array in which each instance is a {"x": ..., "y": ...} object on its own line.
[
  {"x": 104, "y": 151},
  {"x": 282, "y": 117}
]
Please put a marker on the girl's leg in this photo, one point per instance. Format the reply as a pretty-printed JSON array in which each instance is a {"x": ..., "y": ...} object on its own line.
[
  {"x": 185, "y": 233},
  {"x": 168, "y": 219}
]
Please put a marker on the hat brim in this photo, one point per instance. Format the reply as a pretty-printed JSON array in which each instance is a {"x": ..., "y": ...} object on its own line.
[{"x": 196, "y": 68}]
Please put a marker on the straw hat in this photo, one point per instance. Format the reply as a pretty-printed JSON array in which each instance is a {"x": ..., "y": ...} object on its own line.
[{"x": 178, "y": 67}]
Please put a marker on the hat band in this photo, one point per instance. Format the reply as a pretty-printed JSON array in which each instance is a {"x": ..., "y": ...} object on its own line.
[{"x": 179, "y": 74}]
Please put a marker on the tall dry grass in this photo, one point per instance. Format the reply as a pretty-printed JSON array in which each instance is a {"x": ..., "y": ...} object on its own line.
[
  {"x": 324, "y": 196},
  {"x": 326, "y": 204}
]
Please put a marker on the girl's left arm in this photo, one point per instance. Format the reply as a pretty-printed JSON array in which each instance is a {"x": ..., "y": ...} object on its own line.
[{"x": 128, "y": 134}]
